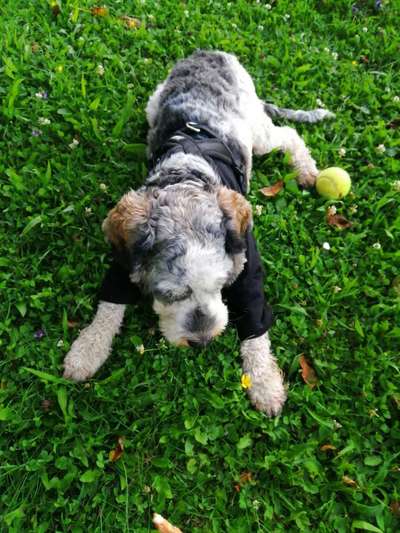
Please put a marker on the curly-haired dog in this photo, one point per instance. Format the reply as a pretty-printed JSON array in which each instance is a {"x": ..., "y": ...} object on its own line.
[{"x": 185, "y": 236}]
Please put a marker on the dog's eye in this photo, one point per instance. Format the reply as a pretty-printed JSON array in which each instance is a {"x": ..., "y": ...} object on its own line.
[{"x": 171, "y": 296}]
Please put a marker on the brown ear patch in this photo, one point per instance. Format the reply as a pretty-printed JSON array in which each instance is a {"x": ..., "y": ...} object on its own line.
[
  {"x": 236, "y": 208},
  {"x": 122, "y": 221}
]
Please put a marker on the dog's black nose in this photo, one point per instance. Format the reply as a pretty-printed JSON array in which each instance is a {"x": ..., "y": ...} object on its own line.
[{"x": 197, "y": 344}]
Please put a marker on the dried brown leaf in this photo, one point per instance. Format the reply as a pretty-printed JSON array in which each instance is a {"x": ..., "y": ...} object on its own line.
[
  {"x": 349, "y": 482},
  {"x": 99, "y": 11},
  {"x": 337, "y": 220},
  {"x": 245, "y": 477},
  {"x": 307, "y": 372},
  {"x": 394, "y": 124},
  {"x": 116, "y": 454},
  {"x": 327, "y": 448},
  {"x": 72, "y": 323},
  {"x": 395, "y": 508},
  {"x": 272, "y": 190},
  {"x": 163, "y": 525}
]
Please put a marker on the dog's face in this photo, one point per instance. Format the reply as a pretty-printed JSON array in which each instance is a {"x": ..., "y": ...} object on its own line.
[{"x": 182, "y": 245}]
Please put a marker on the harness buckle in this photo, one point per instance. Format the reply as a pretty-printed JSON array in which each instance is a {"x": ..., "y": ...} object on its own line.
[{"x": 193, "y": 126}]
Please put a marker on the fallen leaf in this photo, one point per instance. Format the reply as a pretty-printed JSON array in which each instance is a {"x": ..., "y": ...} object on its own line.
[
  {"x": 337, "y": 220},
  {"x": 116, "y": 454},
  {"x": 46, "y": 404},
  {"x": 395, "y": 123},
  {"x": 348, "y": 481},
  {"x": 395, "y": 508},
  {"x": 307, "y": 372},
  {"x": 245, "y": 477},
  {"x": 327, "y": 448},
  {"x": 99, "y": 11},
  {"x": 72, "y": 323},
  {"x": 35, "y": 47},
  {"x": 131, "y": 23},
  {"x": 273, "y": 190},
  {"x": 237, "y": 487},
  {"x": 163, "y": 525}
]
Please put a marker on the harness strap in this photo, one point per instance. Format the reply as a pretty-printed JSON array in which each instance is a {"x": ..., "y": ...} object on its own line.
[{"x": 199, "y": 140}]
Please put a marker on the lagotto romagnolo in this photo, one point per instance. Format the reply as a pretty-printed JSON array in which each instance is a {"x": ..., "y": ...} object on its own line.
[{"x": 184, "y": 238}]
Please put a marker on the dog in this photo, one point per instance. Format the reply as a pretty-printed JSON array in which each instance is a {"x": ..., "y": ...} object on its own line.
[{"x": 184, "y": 237}]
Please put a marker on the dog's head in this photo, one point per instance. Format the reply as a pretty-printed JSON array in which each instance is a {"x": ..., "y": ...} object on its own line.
[{"x": 182, "y": 245}]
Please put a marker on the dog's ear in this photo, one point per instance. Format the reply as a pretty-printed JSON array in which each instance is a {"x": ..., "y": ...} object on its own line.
[
  {"x": 238, "y": 218},
  {"x": 127, "y": 223}
]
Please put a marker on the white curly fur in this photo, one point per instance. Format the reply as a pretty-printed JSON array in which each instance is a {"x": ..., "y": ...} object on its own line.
[
  {"x": 267, "y": 392},
  {"x": 93, "y": 346}
]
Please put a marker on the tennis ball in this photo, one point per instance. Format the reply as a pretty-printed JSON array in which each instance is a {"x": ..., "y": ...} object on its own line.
[{"x": 333, "y": 183}]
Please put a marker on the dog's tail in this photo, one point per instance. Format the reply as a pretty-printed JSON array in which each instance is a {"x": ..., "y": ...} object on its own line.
[{"x": 312, "y": 116}]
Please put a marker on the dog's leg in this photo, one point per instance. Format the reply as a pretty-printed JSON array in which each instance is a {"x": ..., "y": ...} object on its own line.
[
  {"x": 268, "y": 137},
  {"x": 288, "y": 140},
  {"x": 267, "y": 391},
  {"x": 93, "y": 346}
]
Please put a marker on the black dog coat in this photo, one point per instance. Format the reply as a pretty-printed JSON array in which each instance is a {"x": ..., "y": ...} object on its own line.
[{"x": 248, "y": 311}]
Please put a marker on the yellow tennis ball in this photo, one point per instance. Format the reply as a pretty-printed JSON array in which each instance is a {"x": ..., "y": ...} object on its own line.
[{"x": 333, "y": 183}]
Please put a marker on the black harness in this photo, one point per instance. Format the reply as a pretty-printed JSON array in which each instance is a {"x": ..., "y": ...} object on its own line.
[{"x": 199, "y": 140}]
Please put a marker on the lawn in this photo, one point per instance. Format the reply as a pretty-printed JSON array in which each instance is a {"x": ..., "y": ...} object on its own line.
[{"x": 73, "y": 86}]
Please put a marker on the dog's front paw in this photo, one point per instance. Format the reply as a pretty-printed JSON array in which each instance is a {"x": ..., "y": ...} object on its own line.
[
  {"x": 266, "y": 388},
  {"x": 87, "y": 354},
  {"x": 267, "y": 393}
]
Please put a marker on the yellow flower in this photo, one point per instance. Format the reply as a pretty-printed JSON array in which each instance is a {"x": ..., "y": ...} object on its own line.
[
  {"x": 246, "y": 381},
  {"x": 354, "y": 63}
]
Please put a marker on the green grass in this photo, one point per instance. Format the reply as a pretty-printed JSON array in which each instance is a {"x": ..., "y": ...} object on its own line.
[{"x": 189, "y": 429}]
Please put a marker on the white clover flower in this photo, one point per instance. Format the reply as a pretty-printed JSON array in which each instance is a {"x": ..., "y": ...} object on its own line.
[
  {"x": 381, "y": 148},
  {"x": 260, "y": 27},
  {"x": 337, "y": 289},
  {"x": 365, "y": 29},
  {"x": 140, "y": 349},
  {"x": 100, "y": 70},
  {"x": 335, "y": 55},
  {"x": 268, "y": 6},
  {"x": 319, "y": 102},
  {"x": 103, "y": 186},
  {"x": 326, "y": 49},
  {"x": 74, "y": 144},
  {"x": 396, "y": 99},
  {"x": 42, "y": 95},
  {"x": 234, "y": 26},
  {"x": 258, "y": 209},
  {"x": 377, "y": 246},
  {"x": 60, "y": 343},
  {"x": 326, "y": 246},
  {"x": 44, "y": 121},
  {"x": 342, "y": 152},
  {"x": 353, "y": 209},
  {"x": 396, "y": 185},
  {"x": 88, "y": 210},
  {"x": 186, "y": 12},
  {"x": 286, "y": 17},
  {"x": 337, "y": 424}
]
